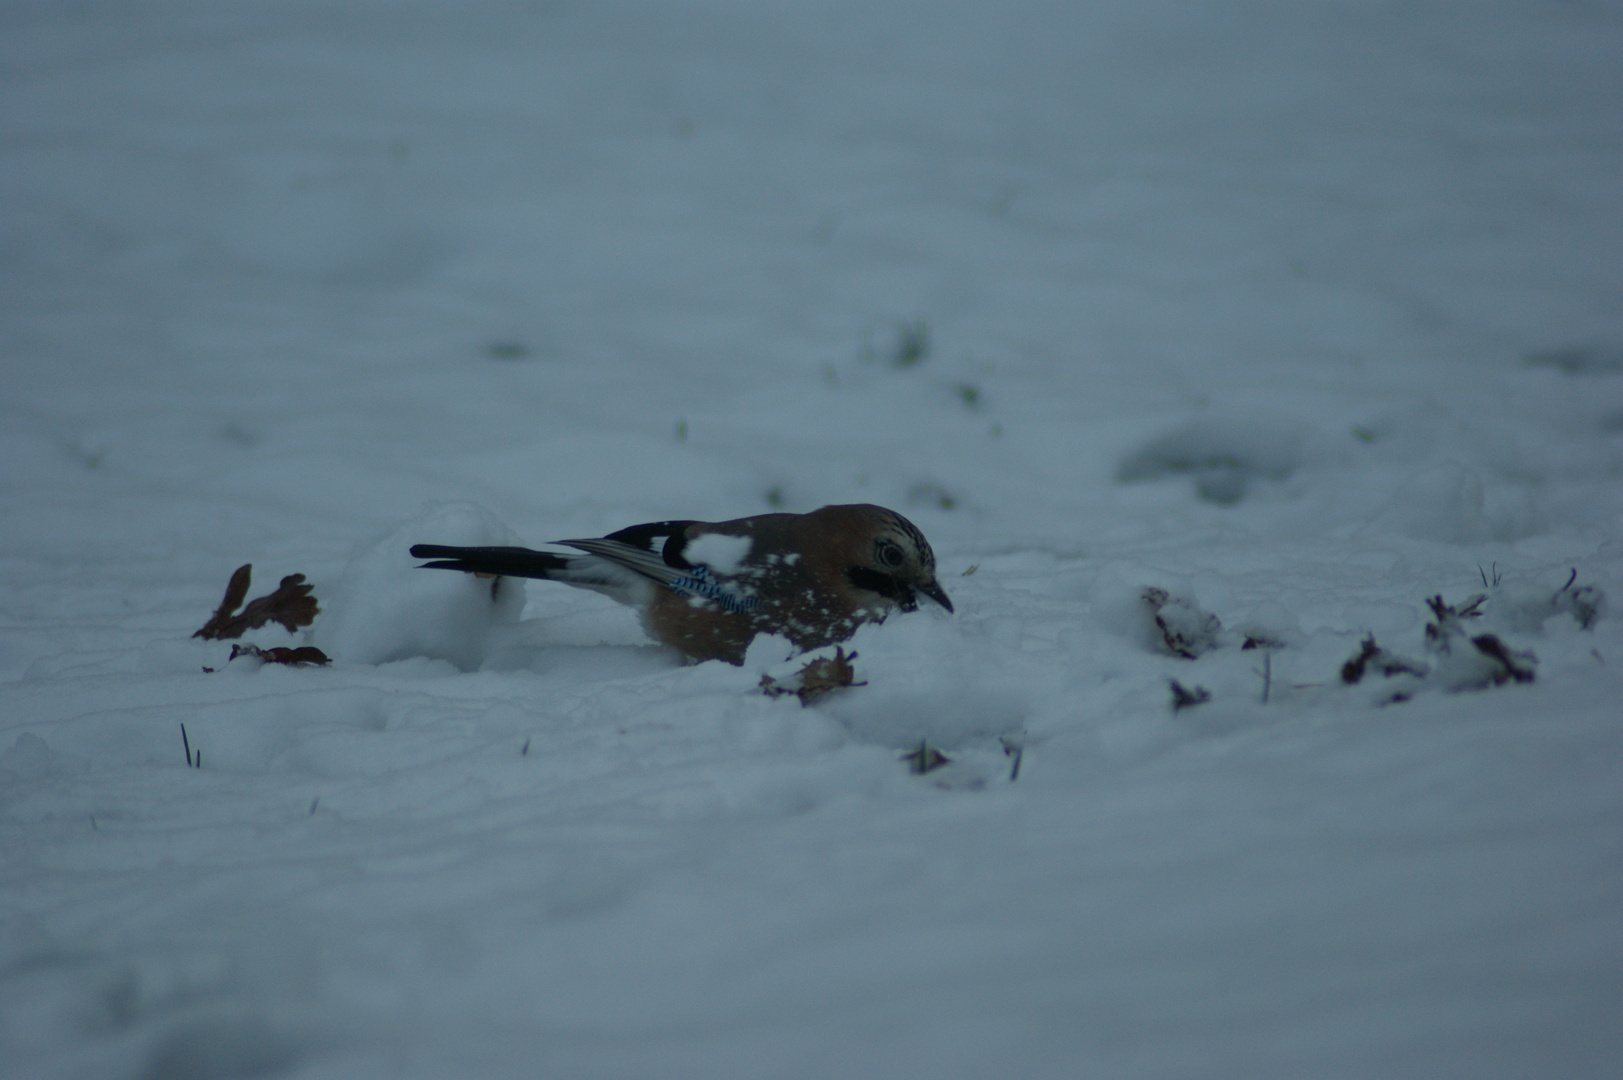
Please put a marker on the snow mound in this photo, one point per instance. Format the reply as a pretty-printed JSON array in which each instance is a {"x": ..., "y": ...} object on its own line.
[
  {"x": 387, "y": 608},
  {"x": 949, "y": 702},
  {"x": 1224, "y": 454},
  {"x": 30, "y": 757}
]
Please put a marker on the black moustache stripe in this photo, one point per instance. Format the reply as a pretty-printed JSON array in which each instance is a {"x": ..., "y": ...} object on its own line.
[{"x": 883, "y": 584}]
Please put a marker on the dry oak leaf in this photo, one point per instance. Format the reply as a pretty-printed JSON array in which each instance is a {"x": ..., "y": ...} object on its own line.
[
  {"x": 291, "y": 605},
  {"x": 282, "y": 654},
  {"x": 817, "y": 678}
]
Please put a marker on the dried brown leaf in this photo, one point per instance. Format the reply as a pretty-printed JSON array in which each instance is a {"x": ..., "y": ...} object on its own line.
[
  {"x": 282, "y": 654},
  {"x": 291, "y": 605},
  {"x": 1517, "y": 666},
  {"x": 235, "y": 590},
  {"x": 1372, "y": 656},
  {"x": 817, "y": 678}
]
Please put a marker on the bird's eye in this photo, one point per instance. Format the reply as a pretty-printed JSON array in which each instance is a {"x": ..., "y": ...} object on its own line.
[{"x": 888, "y": 553}]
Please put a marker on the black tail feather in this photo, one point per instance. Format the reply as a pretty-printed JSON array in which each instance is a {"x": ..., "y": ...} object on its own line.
[{"x": 501, "y": 561}]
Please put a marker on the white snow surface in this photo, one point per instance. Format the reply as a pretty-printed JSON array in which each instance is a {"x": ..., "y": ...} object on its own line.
[{"x": 1301, "y": 313}]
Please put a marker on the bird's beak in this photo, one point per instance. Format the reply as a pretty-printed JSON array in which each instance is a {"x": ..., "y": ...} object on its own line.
[{"x": 935, "y": 592}]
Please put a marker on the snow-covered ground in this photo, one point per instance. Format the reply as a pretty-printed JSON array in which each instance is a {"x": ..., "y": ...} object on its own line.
[{"x": 1301, "y": 313}]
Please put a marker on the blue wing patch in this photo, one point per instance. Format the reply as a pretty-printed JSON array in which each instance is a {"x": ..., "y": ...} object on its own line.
[{"x": 699, "y": 581}]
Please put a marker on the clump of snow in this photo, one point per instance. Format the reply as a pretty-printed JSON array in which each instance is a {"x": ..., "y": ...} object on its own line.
[
  {"x": 1526, "y": 603},
  {"x": 1177, "y": 624},
  {"x": 721, "y": 553},
  {"x": 771, "y": 654},
  {"x": 939, "y": 701},
  {"x": 386, "y": 607}
]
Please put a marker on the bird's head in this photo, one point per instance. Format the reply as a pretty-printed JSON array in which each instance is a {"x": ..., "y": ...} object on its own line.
[{"x": 897, "y": 563}]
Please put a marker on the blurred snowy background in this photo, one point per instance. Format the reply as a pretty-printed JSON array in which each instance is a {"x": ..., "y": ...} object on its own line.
[{"x": 1301, "y": 313}]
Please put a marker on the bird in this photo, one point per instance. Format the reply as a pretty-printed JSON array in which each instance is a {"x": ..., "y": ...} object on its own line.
[{"x": 707, "y": 588}]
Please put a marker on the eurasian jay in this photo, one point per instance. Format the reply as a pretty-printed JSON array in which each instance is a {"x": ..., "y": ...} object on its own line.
[{"x": 707, "y": 588}]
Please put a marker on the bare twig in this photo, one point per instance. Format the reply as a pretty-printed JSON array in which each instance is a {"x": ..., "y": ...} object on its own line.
[
  {"x": 1015, "y": 748},
  {"x": 192, "y": 762}
]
